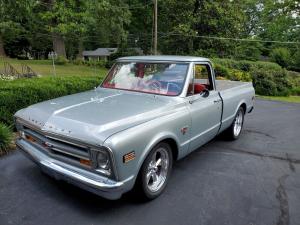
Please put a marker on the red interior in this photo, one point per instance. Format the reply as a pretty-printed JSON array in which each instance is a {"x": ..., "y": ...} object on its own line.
[
  {"x": 198, "y": 88},
  {"x": 108, "y": 85},
  {"x": 140, "y": 70}
]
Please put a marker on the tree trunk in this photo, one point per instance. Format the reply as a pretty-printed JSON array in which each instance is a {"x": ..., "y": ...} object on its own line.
[
  {"x": 59, "y": 45},
  {"x": 80, "y": 50},
  {"x": 2, "y": 51}
]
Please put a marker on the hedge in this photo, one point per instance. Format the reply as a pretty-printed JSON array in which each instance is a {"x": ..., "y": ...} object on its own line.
[
  {"x": 6, "y": 137},
  {"x": 268, "y": 78},
  {"x": 246, "y": 65},
  {"x": 18, "y": 94}
]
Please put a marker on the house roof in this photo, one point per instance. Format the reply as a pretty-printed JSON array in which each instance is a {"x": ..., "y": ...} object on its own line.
[{"x": 100, "y": 52}]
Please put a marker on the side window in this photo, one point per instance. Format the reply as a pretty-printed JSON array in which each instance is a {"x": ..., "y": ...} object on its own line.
[{"x": 202, "y": 79}]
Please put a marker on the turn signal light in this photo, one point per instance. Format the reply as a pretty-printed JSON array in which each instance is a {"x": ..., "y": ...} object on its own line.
[
  {"x": 128, "y": 157},
  {"x": 85, "y": 162},
  {"x": 31, "y": 139}
]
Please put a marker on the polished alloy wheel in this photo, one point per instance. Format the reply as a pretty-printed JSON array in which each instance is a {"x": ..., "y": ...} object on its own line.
[
  {"x": 238, "y": 123},
  {"x": 157, "y": 169}
]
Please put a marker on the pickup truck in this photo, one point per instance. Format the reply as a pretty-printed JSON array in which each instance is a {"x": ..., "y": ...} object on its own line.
[{"x": 127, "y": 132}]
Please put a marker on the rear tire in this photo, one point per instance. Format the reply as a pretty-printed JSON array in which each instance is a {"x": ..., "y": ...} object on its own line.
[
  {"x": 235, "y": 130},
  {"x": 155, "y": 171}
]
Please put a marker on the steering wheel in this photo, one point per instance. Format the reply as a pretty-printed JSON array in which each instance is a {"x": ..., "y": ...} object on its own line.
[
  {"x": 155, "y": 85},
  {"x": 177, "y": 87}
]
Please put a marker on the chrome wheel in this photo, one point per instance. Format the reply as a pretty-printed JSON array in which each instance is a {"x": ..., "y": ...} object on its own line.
[
  {"x": 238, "y": 123},
  {"x": 157, "y": 169}
]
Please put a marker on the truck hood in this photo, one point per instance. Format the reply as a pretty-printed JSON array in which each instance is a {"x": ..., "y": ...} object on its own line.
[{"x": 95, "y": 115}]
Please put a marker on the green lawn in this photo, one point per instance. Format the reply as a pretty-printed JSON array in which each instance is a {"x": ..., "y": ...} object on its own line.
[
  {"x": 283, "y": 99},
  {"x": 45, "y": 68}
]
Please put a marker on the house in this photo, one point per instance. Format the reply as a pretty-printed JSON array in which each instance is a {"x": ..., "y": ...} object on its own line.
[
  {"x": 98, "y": 54},
  {"x": 104, "y": 53}
]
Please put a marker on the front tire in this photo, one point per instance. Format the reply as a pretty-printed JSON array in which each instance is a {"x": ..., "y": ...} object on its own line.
[
  {"x": 234, "y": 131},
  {"x": 155, "y": 171}
]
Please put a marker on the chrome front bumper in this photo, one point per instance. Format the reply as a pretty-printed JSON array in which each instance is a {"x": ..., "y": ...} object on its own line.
[{"x": 84, "y": 179}]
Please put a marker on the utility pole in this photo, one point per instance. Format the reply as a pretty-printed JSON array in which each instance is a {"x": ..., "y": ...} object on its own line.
[{"x": 155, "y": 28}]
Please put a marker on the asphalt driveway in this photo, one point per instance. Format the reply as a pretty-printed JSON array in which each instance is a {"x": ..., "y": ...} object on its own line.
[{"x": 255, "y": 180}]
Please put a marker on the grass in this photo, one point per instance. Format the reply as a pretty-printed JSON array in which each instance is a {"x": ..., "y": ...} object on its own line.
[
  {"x": 45, "y": 68},
  {"x": 295, "y": 99}
]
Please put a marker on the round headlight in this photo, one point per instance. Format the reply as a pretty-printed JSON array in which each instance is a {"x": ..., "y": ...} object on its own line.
[
  {"x": 22, "y": 134},
  {"x": 103, "y": 160}
]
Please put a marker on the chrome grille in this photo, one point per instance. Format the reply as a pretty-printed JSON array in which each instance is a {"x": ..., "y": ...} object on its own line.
[{"x": 58, "y": 149}]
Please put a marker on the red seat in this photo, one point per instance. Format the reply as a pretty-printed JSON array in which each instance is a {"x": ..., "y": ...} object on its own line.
[{"x": 198, "y": 88}]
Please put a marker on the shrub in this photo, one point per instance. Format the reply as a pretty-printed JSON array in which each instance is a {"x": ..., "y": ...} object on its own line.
[
  {"x": 271, "y": 83},
  {"x": 60, "y": 60},
  {"x": 239, "y": 75},
  {"x": 100, "y": 63},
  {"x": 246, "y": 51},
  {"x": 282, "y": 56},
  {"x": 78, "y": 62},
  {"x": 263, "y": 83},
  {"x": 295, "y": 91},
  {"x": 296, "y": 61},
  {"x": 5, "y": 138},
  {"x": 221, "y": 71},
  {"x": 246, "y": 65},
  {"x": 21, "y": 93},
  {"x": 231, "y": 74}
]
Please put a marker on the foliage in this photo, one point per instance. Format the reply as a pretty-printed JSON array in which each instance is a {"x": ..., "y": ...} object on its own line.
[
  {"x": 231, "y": 74},
  {"x": 92, "y": 63},
  {"x": 296, "y": 60},
  {"x": 60, "y": 60},
  {"x": 14, "y": 15},
  {"x": 5, "y": 138},
  {"x": 120, "y": 53},
  {"x": 268, "y": 78},
  {"x": 5, "y": 77},
  {"x": 198, "y": 27},
  {"x": 220, "y": 70},
  {"x": 295, "y": 91},
  {"x": 246, "y": 65},
  {"x": 18, "y": 94},
  {"x": 281, "y": 56},
  {"x": 271, "y": 83},
  {"x": 107, "y": 24},
  {"x": 239, "y": 75},
  {"x": 248, "y": 51}
]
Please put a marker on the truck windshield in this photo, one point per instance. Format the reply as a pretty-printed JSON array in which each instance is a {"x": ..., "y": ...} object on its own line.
[{"x": 157, "y": 78}]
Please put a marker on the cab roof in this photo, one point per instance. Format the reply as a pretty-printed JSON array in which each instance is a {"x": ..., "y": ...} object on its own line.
[{"x": 164, "y": 58}]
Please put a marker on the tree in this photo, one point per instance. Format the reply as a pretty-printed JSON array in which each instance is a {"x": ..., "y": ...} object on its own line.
[
  {"x": 282, "y": 56},
  {"x": 108, "y": 25},
  {"x": 13, "y": 17},
  {"x": 192, "y": 25},
  {"x": 62, "y": 18}
]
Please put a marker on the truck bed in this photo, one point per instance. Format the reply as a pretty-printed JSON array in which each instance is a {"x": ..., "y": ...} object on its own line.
[
  {"x": 233, "y": 93},
  {"x": 223, "y": 85}
]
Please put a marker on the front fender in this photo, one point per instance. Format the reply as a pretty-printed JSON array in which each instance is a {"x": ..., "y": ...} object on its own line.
[
  {"x": 142, "y": 138},
  {"x": 154, "y": 141}
]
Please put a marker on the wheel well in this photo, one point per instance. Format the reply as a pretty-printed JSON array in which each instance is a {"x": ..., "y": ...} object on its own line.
[
  {"x": 173, "y": 146},
  {"x": 244, "y": 107}
]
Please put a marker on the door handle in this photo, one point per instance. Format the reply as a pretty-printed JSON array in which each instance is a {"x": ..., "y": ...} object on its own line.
[{"x": 216, "y": 101}]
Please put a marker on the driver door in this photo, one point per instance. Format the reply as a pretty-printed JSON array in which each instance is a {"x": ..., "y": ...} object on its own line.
[{"x": 205, "y": 106}]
